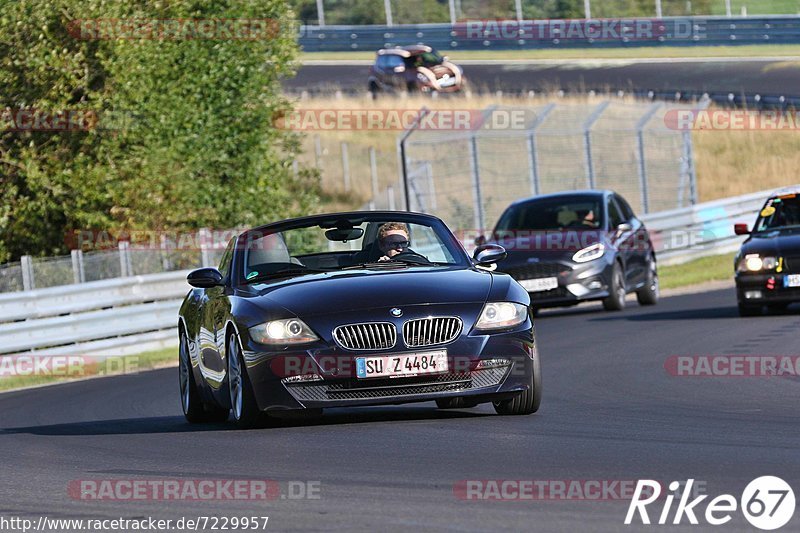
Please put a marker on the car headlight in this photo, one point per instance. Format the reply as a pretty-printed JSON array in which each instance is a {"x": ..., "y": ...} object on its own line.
[
  {"x": 288, "y": 331},
  {"x": 754, "y": 263},
  {"x": 590, "y": 253},
  {"x": 497, "y": 315}
]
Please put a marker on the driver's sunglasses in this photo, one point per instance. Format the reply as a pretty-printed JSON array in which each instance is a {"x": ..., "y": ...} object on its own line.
[{"x": 396, "y": 244}]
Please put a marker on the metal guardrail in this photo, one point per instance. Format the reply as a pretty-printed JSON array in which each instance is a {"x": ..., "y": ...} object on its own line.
[
  {"x": 680, "y": 235},
  {"x": 118, "y": 316},
  {"x": 700, "y": 31}
]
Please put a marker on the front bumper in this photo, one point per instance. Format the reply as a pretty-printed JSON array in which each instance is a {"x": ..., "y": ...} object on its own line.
[
  {"x": 338, "y": 386},
  {"x": 764, "y": 289},
  {"x": 577, "y": 282}
]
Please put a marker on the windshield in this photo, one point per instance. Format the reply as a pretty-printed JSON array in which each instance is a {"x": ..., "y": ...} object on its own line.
[
  {"x": 578, "y": 212},
  {"x": 375, "y": 244},
  {"x": 426, "y": 59},
  {"x": 779, "y": 212}
]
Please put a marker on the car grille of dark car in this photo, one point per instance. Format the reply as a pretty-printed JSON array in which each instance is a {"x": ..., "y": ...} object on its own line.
[
  {"x": 368, "y": 389},
  {"x": 431, "y": 331},
  {"x": 537, "y": 270},
  {"x": 366, "y": 336}
]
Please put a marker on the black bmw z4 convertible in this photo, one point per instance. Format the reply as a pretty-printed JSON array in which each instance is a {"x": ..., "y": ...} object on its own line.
[{"x": 353, "y": 309}]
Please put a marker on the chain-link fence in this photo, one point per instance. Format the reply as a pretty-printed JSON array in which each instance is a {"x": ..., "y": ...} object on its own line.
[
  {"x": 468, "y": 178},
  {"x": 173, "y": 252}
]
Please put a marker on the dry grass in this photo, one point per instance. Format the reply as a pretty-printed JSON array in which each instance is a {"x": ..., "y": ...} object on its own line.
[{"x": 728, "y": 163}]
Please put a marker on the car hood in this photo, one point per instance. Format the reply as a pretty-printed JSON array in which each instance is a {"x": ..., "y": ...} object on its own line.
[
  {"x": 365, "y": 289},
  {"x": 777, "y": 242}
]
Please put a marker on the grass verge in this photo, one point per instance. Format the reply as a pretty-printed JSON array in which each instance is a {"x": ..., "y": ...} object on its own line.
[
  {"x": 711, "y": 268},
  {"x": 84, "y": 368},
  {"x": 642, "y": 52}
]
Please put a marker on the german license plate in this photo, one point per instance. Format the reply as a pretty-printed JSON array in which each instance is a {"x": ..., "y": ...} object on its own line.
[
  {"x": 401, "y": 365},
  {"x": 540, "y": 284},
  {"x": 791, "y": 280}
]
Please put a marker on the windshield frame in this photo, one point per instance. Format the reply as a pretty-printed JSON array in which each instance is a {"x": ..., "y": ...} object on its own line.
[
  {"x": 449, "y": 240},
  {"x": 771, "y": 203}
]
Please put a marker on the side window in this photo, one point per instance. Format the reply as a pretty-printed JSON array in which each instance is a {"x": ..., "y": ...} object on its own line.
[
  {"x": 225, "y": 261},
  {"x": 614, "y": 216},
  {"x": 381, "y": 62},
  {"x": 625, "y": 208},
  {"x": 393, "y": 61}
]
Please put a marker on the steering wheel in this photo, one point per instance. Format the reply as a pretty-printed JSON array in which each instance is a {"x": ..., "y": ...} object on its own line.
[{"x": 411, "y": 257}]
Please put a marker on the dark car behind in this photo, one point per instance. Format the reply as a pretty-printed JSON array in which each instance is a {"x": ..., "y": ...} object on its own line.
[
  {"x": 767, "y": 267},
  {"x": 570, "y": 247}
]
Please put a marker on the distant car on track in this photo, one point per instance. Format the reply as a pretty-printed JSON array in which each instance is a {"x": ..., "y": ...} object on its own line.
[
  {"x": 574, "y": 246},
  {"x": 767, "y": 266},
  {"x": 416, "y": 68},
  {"x": 347, "y": 309}
]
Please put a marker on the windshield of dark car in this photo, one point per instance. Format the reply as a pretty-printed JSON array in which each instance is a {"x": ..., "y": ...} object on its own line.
[
  {"x": 779, "y": 212},
  {"x": 426, "y": 59},
  {"x": 307, "y": 249},
  {"x": 546, "y": 214}
]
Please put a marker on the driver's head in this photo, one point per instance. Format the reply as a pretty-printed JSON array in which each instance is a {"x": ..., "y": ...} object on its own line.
[{"x": 393, "y": 238}]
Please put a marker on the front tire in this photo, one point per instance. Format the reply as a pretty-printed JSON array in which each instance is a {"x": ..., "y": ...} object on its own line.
[
  {"x": 244, "y": 407},
  {"x": 526, "y": 402},
  {"x": 616, "y": 297},
  {"x": 194, "y": 409},
  {"x": 649, "y": 292}
]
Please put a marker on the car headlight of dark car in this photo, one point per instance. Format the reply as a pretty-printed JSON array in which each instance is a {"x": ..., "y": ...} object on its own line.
[
  {"x": 756, "y": 263},
  {"x": 287, "y": 331},
  {"x": 501, "y": 315}
]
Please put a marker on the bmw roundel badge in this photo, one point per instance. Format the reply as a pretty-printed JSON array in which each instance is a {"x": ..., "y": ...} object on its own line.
[{"x": 396, "y": 311}]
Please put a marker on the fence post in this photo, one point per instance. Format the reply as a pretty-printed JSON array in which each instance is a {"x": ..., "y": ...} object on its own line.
[
  {"x": 643, "y": 185},
  {"x": 689, "y": 155},
  {"x": 518, "y": 5},
  {"x": 373, "y": 172},
  {"x": 345, "y": 166},
  {"x": 728, "y": 8},
  {"x": 77, "y": 266},
  {"x": 533, "y": 159},
  {"x": 476, "y": 182},
  {"x": 203, "y": 237},
  {"x": 587, "y": 8},
  {"x": 318, "y": 152},
  {"x": 658, "y": 9},
  {"x": 452, "y": 12},
  {"x": 401, "y": 153},
  {"x": 26, "y": 265},
  {"x": 320, "y": 14},
  {"x": 587, "y": 140},
  {"x": 124, "y": 264},
  {"x": 431, "y": 186},
  {"x": 390, "y": 197},
  {"x": 387, "y": 6},
  {"x": 162, "y": 246}
]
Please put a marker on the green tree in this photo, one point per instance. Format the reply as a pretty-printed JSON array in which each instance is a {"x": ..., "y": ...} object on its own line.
[{"x": 198, "y": 146}]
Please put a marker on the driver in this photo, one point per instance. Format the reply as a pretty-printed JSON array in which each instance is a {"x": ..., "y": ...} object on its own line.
[{"x": 392, "y": 240}]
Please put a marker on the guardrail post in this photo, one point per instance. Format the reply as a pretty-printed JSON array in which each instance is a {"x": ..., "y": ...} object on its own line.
[
  {"x": 26, "y": 265},
  {"x": 345, "y": 166},
  {"x": 587, "y": 140},
  {"x": 476, "y": 182},
  {"x": 78, "y": 275},
  {"x": 533, "y": 159}
]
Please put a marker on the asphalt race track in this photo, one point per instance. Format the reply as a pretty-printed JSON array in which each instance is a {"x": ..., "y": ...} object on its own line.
[
  {"x": 751, "y": 76},
  {"x": 610, "y": 411}
]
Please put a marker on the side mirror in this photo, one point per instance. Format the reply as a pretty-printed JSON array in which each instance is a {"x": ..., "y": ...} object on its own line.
[
  {"x": 400, "y": 68},
  {"x": 741, "y": 229},
  {"x": 488, "y": 254},
  {"x": 480, "y": 240},
  {"x": 204, "y": 278}
]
